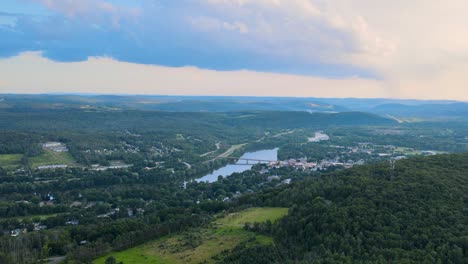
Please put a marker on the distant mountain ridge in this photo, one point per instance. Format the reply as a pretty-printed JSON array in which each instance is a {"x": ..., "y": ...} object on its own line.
[
  {"x": 169, "y": 103},
  {"x": 396, "y": 108},
  {"x": 426, "y": 110},
  {"x": 52, "y": 119}
]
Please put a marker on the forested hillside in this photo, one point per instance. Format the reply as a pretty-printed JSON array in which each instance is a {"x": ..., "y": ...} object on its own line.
[
  {"x": 99, "y": 120},
  {"x": 416, "y": 213}
]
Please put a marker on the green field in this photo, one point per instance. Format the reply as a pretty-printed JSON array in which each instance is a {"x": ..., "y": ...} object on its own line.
[
  {"x": 252, "y": 215},
  {"x": 10, "y": 160},
  {"x": 201, "y": 244},
  {"x": 52, "y": 158},
  {"x": 31, "y": 217}
]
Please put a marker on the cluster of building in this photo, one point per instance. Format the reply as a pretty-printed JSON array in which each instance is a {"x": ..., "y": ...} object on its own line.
[
  {"x": 130, "y": 212},
  {"x": 52, "y": 167},
  {"x": 18, "y": 231},
  {"x": 125, "y": 147},
  {"x": 114, "y": 165},
  {"x": 348, "y": 157},
  {"x": 55, "y": 147},
  {"x": 278, "y": 178},
  {"x": 303, "y": 164}
]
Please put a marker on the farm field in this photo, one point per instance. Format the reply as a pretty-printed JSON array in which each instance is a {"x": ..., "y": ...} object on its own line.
[{"x": 197, "y": 245}]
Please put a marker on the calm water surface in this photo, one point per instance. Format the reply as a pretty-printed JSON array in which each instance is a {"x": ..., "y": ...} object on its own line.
[{"x": 269, "y": 154}]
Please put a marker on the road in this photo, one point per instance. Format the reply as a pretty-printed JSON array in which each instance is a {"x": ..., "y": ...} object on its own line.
[
  {"x": 218, "y": 146},
  {"x": 228, "y": 152},
  {"x": 55, "y": 260},
  {"x": 284, "y": 133}
]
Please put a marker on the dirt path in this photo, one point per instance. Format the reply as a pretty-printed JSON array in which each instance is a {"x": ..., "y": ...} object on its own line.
[
  {"x": 188, "y": 165},
  {"x": 284, "y": 133}
]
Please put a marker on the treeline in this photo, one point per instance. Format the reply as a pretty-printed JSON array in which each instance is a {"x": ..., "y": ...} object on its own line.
[
  {"x": 20, "y": 143},
  {"x": 421, "y": 136}
]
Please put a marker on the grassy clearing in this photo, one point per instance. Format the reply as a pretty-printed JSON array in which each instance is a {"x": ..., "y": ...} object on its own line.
[
  {"x": 251, "y": 215},
  {"x": 10, "y": 160},
  {"x": 31, "y": 217},
  {"x": 406, "y": 119},
  {"x": 407, "y": 151},
  {"x": 201, "y": 244},
  {"x": 52, "y": 158}
]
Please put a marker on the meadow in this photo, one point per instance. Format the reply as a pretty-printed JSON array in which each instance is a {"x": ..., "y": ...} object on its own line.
[
  {"x": 52, "y": 158},
  {"x": 10, "y": 160},
  {"x": 201, "y": 244}
]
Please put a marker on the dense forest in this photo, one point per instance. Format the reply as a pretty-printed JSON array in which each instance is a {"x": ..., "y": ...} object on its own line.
[{"x": 414, "y": 213}]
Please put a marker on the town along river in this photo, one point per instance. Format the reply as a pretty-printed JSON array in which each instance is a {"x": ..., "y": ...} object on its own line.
[{"x": 240, "y": 165}]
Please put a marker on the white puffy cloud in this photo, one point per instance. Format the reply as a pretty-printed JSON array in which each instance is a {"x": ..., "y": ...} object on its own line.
[
  {"x": 429, "y": 50},
  {"x": 302, "y": 30},
  {"x": 417, "y": 48}
]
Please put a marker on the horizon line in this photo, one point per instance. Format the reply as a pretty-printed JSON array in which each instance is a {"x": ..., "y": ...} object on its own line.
[{"x": 230, "y": 96}]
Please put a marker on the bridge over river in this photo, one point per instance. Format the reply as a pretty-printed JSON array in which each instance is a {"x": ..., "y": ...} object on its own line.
[
  {"x": 240, "y": 164},
  {"x": 248, "y": 161}
]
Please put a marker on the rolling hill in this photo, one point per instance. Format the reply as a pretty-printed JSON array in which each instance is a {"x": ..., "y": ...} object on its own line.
[{"x": 416, "y": 213}]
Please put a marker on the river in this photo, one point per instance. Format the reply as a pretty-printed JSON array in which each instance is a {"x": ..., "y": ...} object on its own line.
[{"x": 240, "y": 166}]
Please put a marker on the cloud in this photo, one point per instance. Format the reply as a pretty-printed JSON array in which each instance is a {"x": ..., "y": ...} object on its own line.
[
  {"x": 418, "y": 48},
  {"x": 92, "y": 10},
  {"x": 209, "y": 24},
  {"x": 178, "y": 33},
  {"x": 105, "y": 75},
  {"x": 412, "y": 49}
]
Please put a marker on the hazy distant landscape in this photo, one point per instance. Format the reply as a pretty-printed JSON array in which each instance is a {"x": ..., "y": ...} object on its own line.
[{"x": 422, "y": 110}]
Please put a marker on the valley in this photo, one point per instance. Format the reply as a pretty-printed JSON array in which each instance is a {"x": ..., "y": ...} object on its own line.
[{"x": 129, "y": 184}]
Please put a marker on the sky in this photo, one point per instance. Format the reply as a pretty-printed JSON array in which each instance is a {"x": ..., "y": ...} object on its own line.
[{"x": 307, "y": 48}]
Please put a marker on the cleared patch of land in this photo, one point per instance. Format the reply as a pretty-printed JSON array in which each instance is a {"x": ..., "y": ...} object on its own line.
[
  {"x": 202, "y": 244},
  {"x": 251, "y": 215},
  {"x": 406, "y": 119},
  {"x": 406, "y": 151},
  {"x": 284, "y": 133},
  {"x": 31, "y": 217},
  {"x": 52, "y": 158},
  {"x": 231, "y": 150},
  {"x": 10, "y": 160},
  {"x": 228, "y": 152}
]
